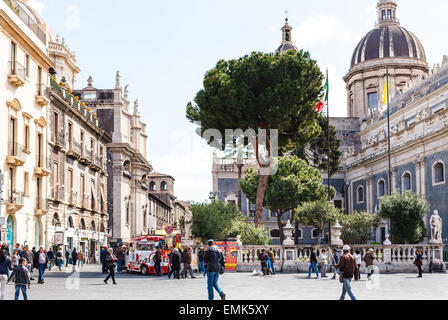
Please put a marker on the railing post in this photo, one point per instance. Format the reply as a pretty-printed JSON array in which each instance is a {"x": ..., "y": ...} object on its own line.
[{"x": 387, "y": 250}]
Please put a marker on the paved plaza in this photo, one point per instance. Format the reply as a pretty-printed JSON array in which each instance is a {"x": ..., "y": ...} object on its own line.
[{"x": 88, "y": 285}]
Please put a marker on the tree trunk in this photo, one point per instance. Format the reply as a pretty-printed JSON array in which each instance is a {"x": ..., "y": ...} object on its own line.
[
  {"x": 240, "y": 169},
  {"x": 261, "y": 191},
  {"x": 280, "y": 225},
  {"x": 296, "y": 233}
]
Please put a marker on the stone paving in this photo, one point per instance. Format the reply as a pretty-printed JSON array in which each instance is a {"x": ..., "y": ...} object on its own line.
[{"x": 88, "y": 285}]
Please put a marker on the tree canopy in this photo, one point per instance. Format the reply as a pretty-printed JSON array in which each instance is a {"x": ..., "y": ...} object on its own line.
[
  {"x": 358, "y": 227},
  {"x": 261, "y": 91},
  {"x": 406, "y": 213}
]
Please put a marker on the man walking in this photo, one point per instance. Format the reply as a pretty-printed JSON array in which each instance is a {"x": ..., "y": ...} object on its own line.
[
  {"x": 74, "y": 259},
  {"x": 157, "y": 261},
  {"x": 313, "y": 264},
  {"x": 201, "y": 260},
  {"x": 369, "y": 259},
  {"x": 67, "y": 257},
  {"x": 349, "y": 269},
  {"x": 103, "y": 255},
  {"x": 323, "y": 263},
  {"x": 334, "y": 263},
  {"x": 41, "y": 261},
  {"x": 120, "y": 257},
  {"x": 26, "y": 254},
  {"x": 50, "y": 255},
  {"x": 187, "y": 264},
  {"x": 264, "y": 261},
  {"x": 272, "y": 260},
  {"x": 175, "y": 260},
  {"x": 215, "y": 264}
]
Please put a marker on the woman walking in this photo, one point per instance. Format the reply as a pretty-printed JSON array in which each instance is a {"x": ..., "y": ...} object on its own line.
[
  {"x": 358, "y": 258},
  {"x": 419, "y": 262},
  {"x": 15, "y": 258},
  {"x": 5, "y": 267},
  {"x": 110, "y": 265}
]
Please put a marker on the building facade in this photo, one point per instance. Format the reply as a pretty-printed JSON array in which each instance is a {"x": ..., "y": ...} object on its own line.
[{"x": 23, "y": 115}]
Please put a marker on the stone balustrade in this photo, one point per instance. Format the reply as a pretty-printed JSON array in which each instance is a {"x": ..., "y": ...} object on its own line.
[{"x": 389, "y": 258}]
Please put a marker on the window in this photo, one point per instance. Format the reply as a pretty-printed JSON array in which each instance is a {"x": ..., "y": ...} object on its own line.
[
  {"x": 26, "y": 186},
  {"x": 127, "y": 214},
  {"x": 383, "y": 15},
  {"x": 299, "y": 233},
  {"x": 406, "y": 182},
  {"x": 27, "y": 65},
  {"x": 56, "y": 222},
  {"x": 12, "y": 137},
  {"x": 372, "y": 99},
  {"x": 338, "y": 204},
  {"x": 70, "y": 222},
  {"x": 360, "y": 194},
  {"x": 275, "y": 233},
  {"x": 315, "y": 234},
  {"x": 26, "y": 137},
  {"x": 92, "y": 226},
  {"x": 381, "y": 191},
  {"x": 83, "y": 225},
  {"x": 438, "y": 173},
  {"x": 13, "y": 57},
  {"x": 70, "y": 132},
  {"x": 164, "y": 186},
  {"x": 82, "y": 139},
  {"x": 82, "y": 186},
  {"x": 389, "y": 14},
  {"x": 55, "y": 126},
  {"x": 252, "y": 209},
  {"x": 233, "y": 202},
  {"x": 152, "y": 186}
]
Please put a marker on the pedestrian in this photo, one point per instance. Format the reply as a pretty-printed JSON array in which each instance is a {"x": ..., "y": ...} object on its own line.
[
  {"x": 103, "y": 259},
  {"x": 358, "y": 258},
  {"x": 214, "y": 259},
  {"x": 5, "y": 267},
  {"x": 419, "y": 262},
  {"x": 349, "y": 269},
  {"x": 15, "y": 258},
  {"x": 50, "y": 255},
  {"x": 67, "y": 257},
  {"x": 175, "y": 259},
  {"x": 369, "y": 259},
  {"x": 182, "y": 264},
  {"x": 41, "y": 261},
  {"x": 313, "y": 264},
  {"x": 19, "y": 250},
  {"x": 187, "y": 264},
  {"x": 21, "y": 277},
  {"x": 323, "y": 260},
  {"x": 120, "y": 258},
  {"x": 74, "y": 259},
  {"x": 110, "y": 261},
  {"x": 271, "y": 260},
  {"x": 264, "y": 261},
  {"x": 59, "y": 259},
  {"x": 26, "y": 254},
  {"x": 334, "y": 263},
  {"x": 80, "y": 259},
  {"x": 201, "y": 260},
  {"x": 157, "y": 261}
]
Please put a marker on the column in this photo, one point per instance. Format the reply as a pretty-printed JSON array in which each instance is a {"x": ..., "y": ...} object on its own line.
[
  {"x": 423, "y": 176},
  {"x": 369, "y": 194},
  {"x": 394, "y": 179},
  {"x": 418, "y": 165}
]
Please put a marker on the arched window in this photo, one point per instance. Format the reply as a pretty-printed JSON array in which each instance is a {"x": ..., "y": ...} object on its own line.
[
  {"x": 406, "y": 182},
  {"x": 315, "y": 234},
  {"x": 127, "y": 214},
  {"x": 163, "y": 186},
  {"x": 92, "y": 226},
  {"x": 438, "y": 173},
  {"x": 381, "y": 188},
  {"x": 70, "y": 222},
  {"x": 152, "y": 186},
  {"x": 102, "y": 229},
  {"x": 360, "y": 194},
  {"x": 82, "y": 224},
  {"x": 56, "y": 222}
]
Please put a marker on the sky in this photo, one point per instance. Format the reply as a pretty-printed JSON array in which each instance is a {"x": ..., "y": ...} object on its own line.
[{"x": 164, "y": 48}]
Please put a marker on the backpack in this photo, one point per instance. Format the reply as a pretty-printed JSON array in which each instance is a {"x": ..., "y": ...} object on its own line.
[{"x": 221, "y": 261}]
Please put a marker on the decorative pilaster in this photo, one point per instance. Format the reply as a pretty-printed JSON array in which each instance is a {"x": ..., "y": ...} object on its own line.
[
  {"x": 394, "y": 179},
  {"x": 369, "y": 193}
]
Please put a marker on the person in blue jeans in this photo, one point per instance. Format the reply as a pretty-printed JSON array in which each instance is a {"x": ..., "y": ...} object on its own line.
[
  {"x": 313, "y": 264},
  {"x": 349, "y": 269},
  {"x": 201, "y": 260},
  {"x": 21, "y": 278},
  {"x": 215, "y": 264},
  {"x": 41, "y": 261}
]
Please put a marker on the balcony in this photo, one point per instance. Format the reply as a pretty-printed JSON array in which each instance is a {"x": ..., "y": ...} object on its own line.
[
  {"x": 85, "y": 203},
  {"x": 86, "y": 156},
  {"x": 16, "y": 75},
  {"x": 41, "y": 98},
  {"x": 41, "y": 206},
  {"x": 74, "y": 149},
  {"x": 14, "y": 201},
  {"x": 97, "y": 163},
  {"x": 30, "y": 22},
  {"x": 42, "y": 168},
  {"x": 73, "y": 199},
  {"x": 60, "y": 141},
  {"x": 58, "y": 194},
  {"x": 16, "y": 154}
]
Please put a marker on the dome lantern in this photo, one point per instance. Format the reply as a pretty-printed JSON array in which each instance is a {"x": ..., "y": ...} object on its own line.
[
  {"x": 287, "y": 43},
  {"x": 387, "y": 12}
]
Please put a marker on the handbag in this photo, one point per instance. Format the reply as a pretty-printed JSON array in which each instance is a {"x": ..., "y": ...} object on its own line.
[{"x": 341, "y": 277}]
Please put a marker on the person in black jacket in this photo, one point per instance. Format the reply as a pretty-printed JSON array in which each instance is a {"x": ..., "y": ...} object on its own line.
[
  {"x": 201, "y": 260},
  {"x": 21, "y": 278},
  {"x": 175, "y": 261},
  {"x": 50, "y": 255},
  {"x": 67, "y": 257},
  {"x": 74, "y": 259},
  {"x": 103, "y": 255},
  {"x": 157, "y": 261},
  {"x": 264, "y": 261},
  {"x": 110, "y": 261},
  {"x": 5, "y": 267},
  {"x": 313, "y": 264},
  {"x": 215, "y": 264}
]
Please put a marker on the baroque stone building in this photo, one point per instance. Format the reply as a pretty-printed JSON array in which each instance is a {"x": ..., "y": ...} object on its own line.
[{"x": 418, "y": 98}]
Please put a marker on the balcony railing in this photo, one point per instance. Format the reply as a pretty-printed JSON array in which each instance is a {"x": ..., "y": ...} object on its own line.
[
  {"x": 16, "y": 69},
  {"x": 74, "y": 148},
  {"x": 58, "y": 193},
  {"x": 75, "y": 104},
  {"x": 16, "y": 154},
  {"x": 15, "y": 200},
  {"x": 60, "y": 141},
  {"x": 43, "y": 166},
  {"x": 30, "y": 22},
  {"x": 88, "y": 154}
]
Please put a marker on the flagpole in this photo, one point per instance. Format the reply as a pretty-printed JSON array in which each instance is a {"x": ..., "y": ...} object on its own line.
[
  {"x": 388, "y": 133},
  {"x": 328, "y": 154}
]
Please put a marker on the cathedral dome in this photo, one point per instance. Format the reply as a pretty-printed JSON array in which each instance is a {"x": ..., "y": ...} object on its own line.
[
  {"x": 388, "y": 39},
  {"x": 287, "y": 43}
]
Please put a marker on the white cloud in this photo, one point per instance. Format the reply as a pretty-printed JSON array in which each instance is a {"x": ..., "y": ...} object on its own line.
[
  {"x": 318, "y": 29},
  {"x": 189, "y": 161},
  {"x": 73, "y": 21}
]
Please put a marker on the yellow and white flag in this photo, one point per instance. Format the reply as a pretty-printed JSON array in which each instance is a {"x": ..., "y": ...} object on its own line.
[{"x": 385, "y": 93}]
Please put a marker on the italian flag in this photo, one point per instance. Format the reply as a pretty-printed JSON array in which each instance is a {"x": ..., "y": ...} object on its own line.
[{"x": 322, "y": 104}]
